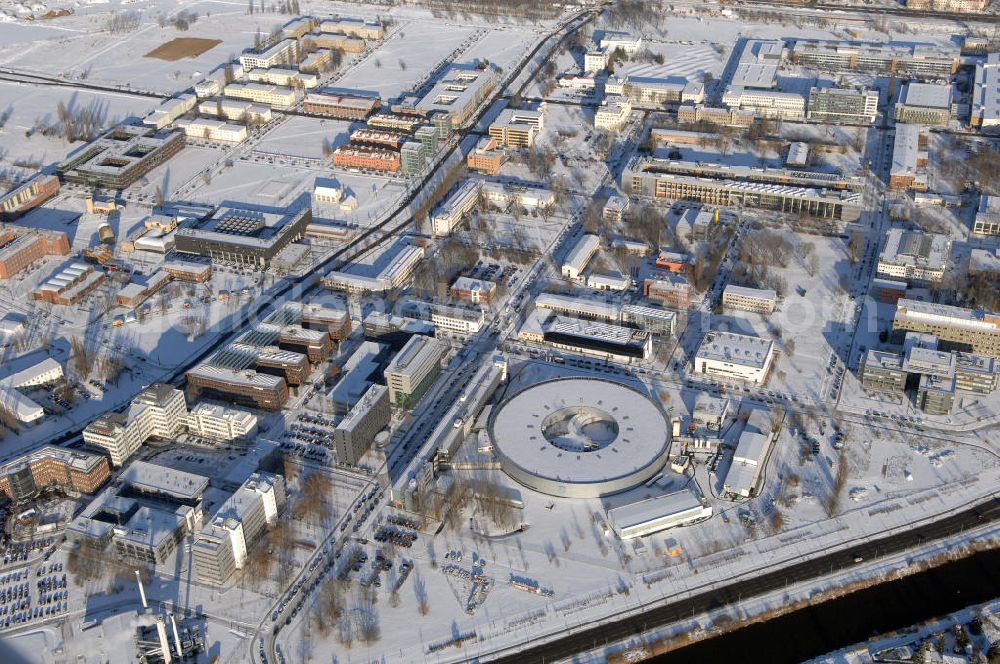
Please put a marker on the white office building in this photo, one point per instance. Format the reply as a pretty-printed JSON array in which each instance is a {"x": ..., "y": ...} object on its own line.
[
  {"x": 595, "y": 60},
  {"x": 611, "y": 41},
  {"x": 170, "y": 110},
  {"x": 413, "y": 370},
  {"x": 17, "y": 404},
  {"x": 263, "y": 93},
  {"x": 741, "y": 298},
  {"x": 459, "y": 203},
  {"x": 224, "y": 544},
  {"x": 285, "y": 52},
  {"x": 460, "y": 320},
  {"x": 235, "y": 109},
  {"x": 221, "y": 422},
  {"x": 395, "y": 274},
  {"x": 728, "y": 355},
  {"x": 843, "y": 105},
  {"x": 609, "y": 282},
  {"x": 503, "y": 195},
  {"x": 160, "y": 410},
  {"x": 212, "y": 130},
  {"x": 614, "y": 113},
  {"x": 766, "y": 103}
]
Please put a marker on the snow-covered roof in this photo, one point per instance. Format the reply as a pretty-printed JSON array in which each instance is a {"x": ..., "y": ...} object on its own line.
[
  {"x": 744, "y": 291},
  {"x": 417, "y": 351},
  {"x": 643, "y": 434},
  {"x": 653, "y": 509},
  {"x": 930, "y": 250},
  {"x": 579, "y": 306},
  {"x": 361, "y": 408},
  {"x": 736, "y": 348},
  {"x": 906, "y": 149},
  {"x": 926, "y": 95},
  {"x": 582, "y": 252},
  {"x": 752, "y": 448},
  {"x": 153, "y": 478},
  {"x": 946, "y": 314}
]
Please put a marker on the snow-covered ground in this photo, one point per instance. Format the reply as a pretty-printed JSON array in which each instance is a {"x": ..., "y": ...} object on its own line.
[{"x": 892, "y": 471}]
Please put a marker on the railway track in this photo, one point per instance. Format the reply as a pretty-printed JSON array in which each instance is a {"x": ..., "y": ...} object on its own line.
[
  {"x": 662, "y": 613},
  {"x": 866, "y": 11},
  {"x": 25, "y": 78}
]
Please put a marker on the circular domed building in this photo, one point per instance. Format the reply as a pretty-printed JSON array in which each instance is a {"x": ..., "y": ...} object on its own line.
[{"x": 580, "y": 437}]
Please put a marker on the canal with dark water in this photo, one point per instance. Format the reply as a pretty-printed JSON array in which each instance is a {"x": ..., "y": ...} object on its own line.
[{"x": 839, "y": 623}]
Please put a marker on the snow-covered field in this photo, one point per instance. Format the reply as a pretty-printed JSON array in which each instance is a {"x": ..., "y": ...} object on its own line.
[
  {"x": 26, "y": 107},
  {"x": 885, "y": 476}
]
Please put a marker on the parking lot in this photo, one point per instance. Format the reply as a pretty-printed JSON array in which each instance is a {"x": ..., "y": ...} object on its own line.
[
  {"x": 311, "y": 437},
  {"x": 20, "y": 552},
  {"x": 20, "y": 604},
  {"x": 358, "y": 557}
]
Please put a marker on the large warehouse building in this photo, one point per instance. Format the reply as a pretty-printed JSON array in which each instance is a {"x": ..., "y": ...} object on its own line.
[{"x": 672, "y": 510}]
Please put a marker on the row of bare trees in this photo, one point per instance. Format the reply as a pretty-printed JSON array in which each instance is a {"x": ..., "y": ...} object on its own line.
[
  {"x": 636, "y": 14},
  {"x": 493, "y": 503},
  {"x": 485, "y": 494},
  {"x": 759, "y": 252},
  {"x": 122, "y": 22},
  {"x": 82, "y": 123},
  {"x": 707, "y": 261},
  {"x": 90, "y": 561},
  {"x": 527, "y": 9},
  {"x": 451, "y": 177}
]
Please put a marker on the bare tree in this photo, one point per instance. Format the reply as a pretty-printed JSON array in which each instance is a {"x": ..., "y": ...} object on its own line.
[
  {"x": 81, "y": 358},
  {"x": 367, "y": 622},
  {"x": 856, "y": 246},
  {"x": 315, "y": 490},
  {"x": 493, "y": 503},
  {"x": 329, "y": 606},
  {"x": 420, "y": 592}
]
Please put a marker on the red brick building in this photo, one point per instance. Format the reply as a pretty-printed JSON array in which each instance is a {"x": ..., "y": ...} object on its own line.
[
  {"x": 196, "y": 273},
  {"x": 29, "y": 195},
  {"x": 334, "y": 322},
  {"x": 73, "y": 283},
  {"x": 353, "y": 156},
  {"x": 18, "y": 250},
  {"x": 669, "y": 290},
  {"x": 244, "y": 387},
  {"x": 344, "y": 107},
  {"x": 487, "y": 157},
  {"x": 477, "y": 291},
  {"x": 51, "y": 466}
]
